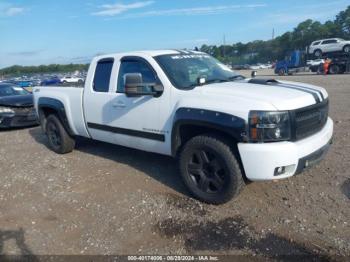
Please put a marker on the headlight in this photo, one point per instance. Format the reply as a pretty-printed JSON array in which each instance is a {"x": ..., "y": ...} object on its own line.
[
  {"x": 269, "y": 126},
  {"x": 6, "y": 111}
]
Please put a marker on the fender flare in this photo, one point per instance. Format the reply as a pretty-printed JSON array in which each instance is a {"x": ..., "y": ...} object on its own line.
[
  {"x": 57, "y": 106},
  {"x": 231, "y": 125}
]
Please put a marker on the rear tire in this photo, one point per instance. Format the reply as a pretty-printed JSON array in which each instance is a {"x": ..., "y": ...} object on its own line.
[
  {"x": 210, "y": 170},
  {"x": 318, "y": 53},
  {"x": 334, "y": 70},
  {"x": 59, "y": 140},
  {"x": 346, "y": 49}
]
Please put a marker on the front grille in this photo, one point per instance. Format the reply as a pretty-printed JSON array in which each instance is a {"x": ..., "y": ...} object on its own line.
[
  {"x": 310, "y": 120},
  {"x": 23, "y": 110}
]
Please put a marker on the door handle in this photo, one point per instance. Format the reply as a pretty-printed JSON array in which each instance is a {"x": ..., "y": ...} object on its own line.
[{"x": 119, "y": 104}]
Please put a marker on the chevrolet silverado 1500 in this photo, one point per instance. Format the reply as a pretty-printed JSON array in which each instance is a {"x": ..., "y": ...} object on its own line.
[{"x": 223, "y": 128}]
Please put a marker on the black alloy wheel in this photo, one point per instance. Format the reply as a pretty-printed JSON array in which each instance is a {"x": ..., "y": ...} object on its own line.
[
  {"x": 59, "y": 139},
  {"x": 210, "y": 169},
  {"x": 207, "y": 171},
  {"x": 53, "y": 134}
]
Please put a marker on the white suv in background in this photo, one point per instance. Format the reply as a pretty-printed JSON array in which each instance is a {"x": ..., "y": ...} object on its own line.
[
  {"x": 329, "y": 45},
  {"x": 72, "y": 79}
]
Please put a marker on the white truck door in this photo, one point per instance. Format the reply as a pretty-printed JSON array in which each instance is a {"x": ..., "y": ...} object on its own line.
[
  {"x": 134, "y": 122},
  {"x": 97, "y": 95},
  {"x": 138, "y": 119}
]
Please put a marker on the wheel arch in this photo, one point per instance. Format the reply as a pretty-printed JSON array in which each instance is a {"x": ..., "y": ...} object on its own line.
[
  {"x": 191, "y": 122},
  {"x": 47, "y": 106}
]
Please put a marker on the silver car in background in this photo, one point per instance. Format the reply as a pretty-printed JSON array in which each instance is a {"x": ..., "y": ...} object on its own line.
[{"x": 318, "y": 48}]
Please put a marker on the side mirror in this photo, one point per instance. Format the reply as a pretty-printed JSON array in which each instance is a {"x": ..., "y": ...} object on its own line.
[
  {"x": 134, "y": 86},
  {"x": 253, "y": 74},
  {"x": 132, "y": 83}
]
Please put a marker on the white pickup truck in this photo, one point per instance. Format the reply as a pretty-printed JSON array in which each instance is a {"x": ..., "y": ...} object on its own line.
[{"x": 224, "y": 129}]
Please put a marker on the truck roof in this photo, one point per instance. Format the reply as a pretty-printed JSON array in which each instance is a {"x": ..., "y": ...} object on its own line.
[{"x": 152, "y": 53}]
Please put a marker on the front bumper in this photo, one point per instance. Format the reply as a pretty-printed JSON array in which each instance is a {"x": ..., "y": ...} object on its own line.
[
  {"x": 19, "y": 120},
  {"x": 260, "y": 161}
]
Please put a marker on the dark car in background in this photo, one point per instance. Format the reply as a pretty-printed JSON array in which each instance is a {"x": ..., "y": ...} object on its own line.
[
  {"x": 16, "y": 107},
  {"x": 51, "y": 81}
]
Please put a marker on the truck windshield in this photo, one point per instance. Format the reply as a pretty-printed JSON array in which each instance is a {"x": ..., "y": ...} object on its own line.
[{"x": 185, "y": 70}]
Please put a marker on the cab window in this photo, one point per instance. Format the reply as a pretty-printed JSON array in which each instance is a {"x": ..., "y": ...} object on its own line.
[
  {"x": 135, "y": 66},
  {"x": 103, "y": 75}
]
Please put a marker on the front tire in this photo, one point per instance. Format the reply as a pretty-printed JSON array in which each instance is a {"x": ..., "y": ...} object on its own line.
[
  {"x": 346, "y": 49},
  {"x": 59, "y": 140},
  {"x": 282, "y": 72},
  {"x": 210, "y": 170}
]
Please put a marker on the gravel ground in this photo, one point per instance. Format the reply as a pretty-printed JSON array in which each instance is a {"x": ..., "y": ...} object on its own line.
[{"x": 105, "y": 199}]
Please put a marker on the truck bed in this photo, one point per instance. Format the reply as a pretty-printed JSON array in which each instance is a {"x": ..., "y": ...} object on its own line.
[{"x": 72, "y": 98}]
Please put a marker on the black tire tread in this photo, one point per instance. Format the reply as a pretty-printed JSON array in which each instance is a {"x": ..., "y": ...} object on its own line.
[
  {"x": 221, "y": 146},
  {"x": 68, "y": 143}
]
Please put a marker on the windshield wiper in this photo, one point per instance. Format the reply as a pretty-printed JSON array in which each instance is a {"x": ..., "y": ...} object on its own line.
[
  {"x": 211, "y": 81},
  {"x": 208, "y": 82},
  {"x": 236, "y": 77}
]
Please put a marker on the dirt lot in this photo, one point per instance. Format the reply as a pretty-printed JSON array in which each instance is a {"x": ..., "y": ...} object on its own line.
[{"x": 105, "y": 199}]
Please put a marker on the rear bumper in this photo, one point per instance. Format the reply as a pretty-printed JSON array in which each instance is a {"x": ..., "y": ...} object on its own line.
[{"x": 260, "y": 161}]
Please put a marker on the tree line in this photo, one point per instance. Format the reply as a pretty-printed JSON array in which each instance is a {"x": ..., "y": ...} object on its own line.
[
  {"x": 238, "y": 53},
  {"x": 42, "y": 69}
]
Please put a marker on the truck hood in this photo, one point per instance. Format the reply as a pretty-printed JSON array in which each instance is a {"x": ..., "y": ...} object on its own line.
[{"x": 283, "y": 95}]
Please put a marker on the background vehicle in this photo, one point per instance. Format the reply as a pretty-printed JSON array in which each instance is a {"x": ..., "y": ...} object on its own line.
[
  {"x": 315, "y": 62},
  {"x": 298, "y": 61},
  {"x": 293, "y": 63},
  {"x": 320, "y": 47},
  {"x": 16, "y": 107},
  {"x": 24, "y": 83},
  {"x": 71, "y": 79},
  {"x": 222, "y": 127},
  {"x": 51, "y": 81}
]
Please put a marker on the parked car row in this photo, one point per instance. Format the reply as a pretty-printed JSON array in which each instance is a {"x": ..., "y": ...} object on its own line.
[
  {"x": 253, "y": 67},
  {"x": 46, "y": 80}
]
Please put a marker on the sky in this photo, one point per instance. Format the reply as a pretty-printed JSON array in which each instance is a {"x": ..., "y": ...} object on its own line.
[{"x": 34, "y": 32}]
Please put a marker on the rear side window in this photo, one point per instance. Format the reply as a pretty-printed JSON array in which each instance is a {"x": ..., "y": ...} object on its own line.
[
  {"x": 103, "y": 75},
  {"x": 316, "y": 43},
  {"x": 329, "y": 42}
]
